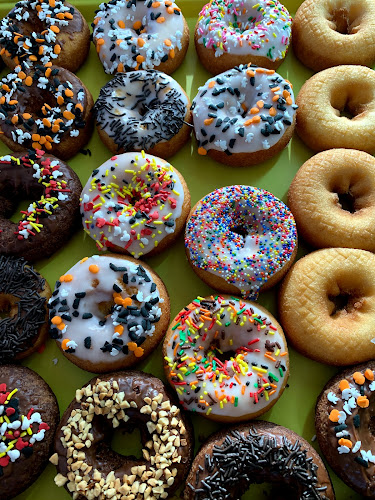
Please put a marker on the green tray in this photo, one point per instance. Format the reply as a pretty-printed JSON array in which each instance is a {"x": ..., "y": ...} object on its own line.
[{"x": 295, "y": 409}]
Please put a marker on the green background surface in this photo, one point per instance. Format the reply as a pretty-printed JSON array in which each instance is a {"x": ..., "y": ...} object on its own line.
[{"x": 295, "y": 409}]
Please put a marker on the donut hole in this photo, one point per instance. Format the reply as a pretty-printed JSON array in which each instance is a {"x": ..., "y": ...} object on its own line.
[
  {"x": 345, "y": 20},
  {"x": 347, "y": 202},
  {"x": 351, "y": 190},
  {"x": 105, "y": 308},
  {"x": 351, "y": 102},
  {"x": 224, "y": 356},
  {"x": 276, "y": 491},
  {"x": 241, "y": 20},
  {"x": 127, "y": 442},
  {"x": 15, "y": 209},
  {"x": 8, "y": 305},
  {"x": 345, "y": 303}
]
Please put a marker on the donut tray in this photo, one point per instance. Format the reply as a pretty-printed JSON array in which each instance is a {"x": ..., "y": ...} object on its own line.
[{"x": 295, "y": 409}]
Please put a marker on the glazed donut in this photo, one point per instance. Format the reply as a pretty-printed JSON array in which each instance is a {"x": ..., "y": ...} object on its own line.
[
  {"x": 344, "y": 424},
  {"x": 29, "y": 415},
  {"x": 244, "y": 116},
  {"x": 45, "y": 108},
  {"x": 23, "y": 303},
  {"x": 108, "y": 312},
  {"x": 229, "y": 33},
  {"x": 241, "y": 240},
  {"x": 146, "y": 208},
  {"x": 131, "y": 35},
  {"x": 332, "y": 198},
  {"x": 325, "y": 100},
  {"x": 127, "y": 400},
  {"x": 42, "y": 31},
  {"x": 332, "y": 32},
  {"x": 143, "y": 110},
  {"x": 49, "y": 220},
  {"x": 327, "y": 306},
  {"x": 235, "y": 342},
  {"x": 234, "y": 458}
]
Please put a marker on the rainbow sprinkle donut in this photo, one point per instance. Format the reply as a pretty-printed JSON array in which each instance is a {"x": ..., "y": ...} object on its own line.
[
  {"x": 232, "y": 32},
  {"x": 241, "y": 239}
]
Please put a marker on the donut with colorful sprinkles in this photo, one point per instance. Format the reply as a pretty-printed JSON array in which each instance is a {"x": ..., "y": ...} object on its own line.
[
  {"x": 42, "y": 31},
  {"x": 29, "y": 415},
  {"x": 135, "y": 203},
  {"x": 233, "y": 32},
  {"x": 226, "y": 358},
  {"x": 46, "y": 224},
  {"x": 131, "y": 35},
  {"x": 108, "y": 312},
  {"x": 241, "y": 240},
  {"x": 244, "y": 116}
]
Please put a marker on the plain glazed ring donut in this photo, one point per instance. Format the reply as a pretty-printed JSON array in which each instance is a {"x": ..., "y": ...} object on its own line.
[
  {"x": 125, "y": 400},
  {"x": 327, "y": 306},
  {"x": 336, "y": 109},
  {"x": 235, "y": 342},
  {"x": 241, "y": 240},
  {"x": 332, "y": 32},
  {"x": 229, "y": 33},
  {"x": 244, "y": 116},
  {"x": 332, "y": 198},
  {"x": 234, "y": 458}
]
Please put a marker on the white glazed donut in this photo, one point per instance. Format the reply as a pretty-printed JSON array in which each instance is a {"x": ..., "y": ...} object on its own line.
[
  {"x": 135, "y": 203},
  {"x": 254, "y": 366},
  {"x": 107, "y": 312},
  {"x": 131, "y": 34},
  {"x": 143, "y": 110},
  {"x": 232, "y": 32},
  {"x": 244, "y": 116}
]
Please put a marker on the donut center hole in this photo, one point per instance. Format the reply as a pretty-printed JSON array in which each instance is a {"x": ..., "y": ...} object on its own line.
[
  {"x": 347, "y": 112},
  {"x": 105, "y": 308},
  {"x": 347, "y": 202},
  {"x": 276, "y": 491},
  {"x": 344, "y": 302},
  {"x": 240, "y": 230},
  {"x": 127, "y": 443},
  {"x": 224, "y": 356},
  {"x": 8, "y": 305},
  {"x": 344, "y": 21},
  {"x": 21, "y": 206}
]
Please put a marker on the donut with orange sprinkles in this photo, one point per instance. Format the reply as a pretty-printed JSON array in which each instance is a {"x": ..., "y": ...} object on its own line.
[
  {"x": 45, "y": 107},
  {"x": 42, "y": 31}
]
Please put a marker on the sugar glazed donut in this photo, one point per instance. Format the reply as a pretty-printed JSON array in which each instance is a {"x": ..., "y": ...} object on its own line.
[
  {"x": 131, "y": 35},
  {"x": 49, "y": 220},
  {"x": 241, "y": 240},
  {"x": 108, "y": 312},
  {"x": 332, "y": 198},
  {"x": 343, "y": 422},
  {"x": 327, "y": 306},
  {"x": 143, "y": 110},
  {"x": 231, "y": 341},
  {"x": 29, "y": 415},
  {"x": 42, "y": 31},
  {"x": 45, "y": 107},
  {"x": 229, "y": 33},
  {"x": 244, "y": 116},
  {"x": 122, "y": 400},
  {"x": 234, "y": 458},
  {"x": 144, "y": 208},
  {"x": 326, "y": 100},
  {"x": 330, "y": 33}
]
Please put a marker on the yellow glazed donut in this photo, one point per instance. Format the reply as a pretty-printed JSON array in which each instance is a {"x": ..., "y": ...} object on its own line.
[
  {"x": 332, "y": 198},
  {"x": 325, "y": 100},
  {"x": 331, "y": 32},
  {"x": 327, "y": 306}
]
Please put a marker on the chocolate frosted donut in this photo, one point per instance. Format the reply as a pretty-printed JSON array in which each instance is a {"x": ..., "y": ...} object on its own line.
[
  {"x": 127, "y": 400},
  {"x": 233, "y": 459},
  {"x": 49, "y": 220},
  {"x": 28, "y": 418}
]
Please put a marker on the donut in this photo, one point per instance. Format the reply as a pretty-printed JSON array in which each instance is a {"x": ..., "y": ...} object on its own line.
[
  {"x": 244, "y": 116},
  {"x": 146, "y": 206},
  {"x": 236, "y": 457},
  {"x": 327, "y": 306},
  {"x": 332, "y": 198},
  {"x": 29, "y": 415},
  {"x": 131, "y": 35},
  {"x": 43, "y": 31},
  {"x": 336, "y": 109},
  {"x": 235, "y": 342},
  {"x": 108, "y": 312},
  {"x": 49, "y": 220},
  {"x": 229, "y": 33},
  {"x": 23, "y": 305},
  {"x": 240, "y": 240},
  {"x": 45, "y": 107},
  {"x": 344, "y": 426},
  {"x": 330, "y": 33},
  {"x": 124, "y": 400}
]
